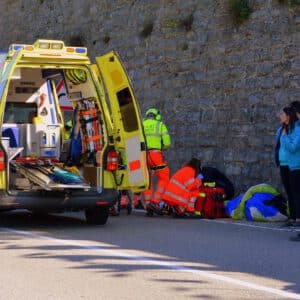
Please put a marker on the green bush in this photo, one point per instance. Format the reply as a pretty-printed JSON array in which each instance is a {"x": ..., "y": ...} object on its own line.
[{"x": 240, "y": 10}]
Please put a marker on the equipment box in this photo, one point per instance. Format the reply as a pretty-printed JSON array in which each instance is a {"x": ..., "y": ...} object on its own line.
[{"x": 91, "y": 175}]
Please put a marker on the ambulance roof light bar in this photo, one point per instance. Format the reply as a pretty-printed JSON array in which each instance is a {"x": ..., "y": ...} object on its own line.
[{"x": 49, "y": 45}]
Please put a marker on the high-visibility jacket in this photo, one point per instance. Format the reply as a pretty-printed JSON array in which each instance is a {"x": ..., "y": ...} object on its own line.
[
  {"x": 157, "y": 135},
  {"x": 183, "y": 189}
]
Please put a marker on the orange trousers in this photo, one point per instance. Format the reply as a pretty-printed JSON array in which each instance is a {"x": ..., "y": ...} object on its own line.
[{"x": 159, "y": 167}]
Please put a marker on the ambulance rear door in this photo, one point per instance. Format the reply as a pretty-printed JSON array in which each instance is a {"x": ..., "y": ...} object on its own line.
[
  {"x": 128, "y": 135},
  {"x": 6, "y": 71}
]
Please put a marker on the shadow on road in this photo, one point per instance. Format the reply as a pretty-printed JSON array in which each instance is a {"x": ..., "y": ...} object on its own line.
[{"x": 199, "y": 245}]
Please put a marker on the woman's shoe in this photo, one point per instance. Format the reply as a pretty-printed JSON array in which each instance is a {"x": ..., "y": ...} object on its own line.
[
  {"x": 295, "y": 238},
  {"x": 288, "y": 224}
]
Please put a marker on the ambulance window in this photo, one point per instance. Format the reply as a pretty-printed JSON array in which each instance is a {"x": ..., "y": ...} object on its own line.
[
  {"x": 127, "y": 110},
  {"x": 19, "y": 113}
]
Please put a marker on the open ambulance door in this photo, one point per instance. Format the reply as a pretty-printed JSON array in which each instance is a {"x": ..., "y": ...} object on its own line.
[
  {"x": 128, "y": 134},
  {"x": 6, "y": 72}
]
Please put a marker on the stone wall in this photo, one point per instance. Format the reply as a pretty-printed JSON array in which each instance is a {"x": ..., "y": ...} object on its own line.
[{"x": 219, "y": 86}]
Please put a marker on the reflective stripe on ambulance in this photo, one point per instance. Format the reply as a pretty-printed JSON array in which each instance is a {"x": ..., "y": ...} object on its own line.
[{"x": 134, "y": 159}]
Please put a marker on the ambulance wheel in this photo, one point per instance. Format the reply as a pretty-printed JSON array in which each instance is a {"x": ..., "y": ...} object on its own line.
[
  {"x": 38, "y": 214},
  {"x": 97, "y": 216}
]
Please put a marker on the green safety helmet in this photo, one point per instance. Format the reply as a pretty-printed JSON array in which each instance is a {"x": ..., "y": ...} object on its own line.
[
  {"x": 68, "y": 124},
  {"x": 155, "y": 112}
]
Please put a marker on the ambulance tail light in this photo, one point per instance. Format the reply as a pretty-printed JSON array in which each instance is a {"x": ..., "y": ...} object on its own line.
[
  {"x": 2, "y": 164},
  {"x": 112, "y": 160}
]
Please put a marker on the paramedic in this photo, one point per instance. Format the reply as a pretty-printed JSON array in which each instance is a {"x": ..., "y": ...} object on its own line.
[
  {"x": 68, "y": 129},
  {"x": 183, "y": 188},
  {"x": 157, "y": 140},
  {"x": 66, "y": 141}
]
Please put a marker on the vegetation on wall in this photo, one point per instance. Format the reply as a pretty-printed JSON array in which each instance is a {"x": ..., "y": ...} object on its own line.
[
  {"x": 77, "y": 40},
  {"x": 147, "y": 29},
  {"x": 187, "y": 22},
  {"x": 184, "y": 23},
  {"x": 106, "y": 39},
  {"x": 185, "y": 47},
  {"x": 240, "y": 10},
  {"x": 291, "y": 3}
]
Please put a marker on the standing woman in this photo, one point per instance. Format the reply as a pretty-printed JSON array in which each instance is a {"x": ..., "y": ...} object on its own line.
[{"x": 287, "y": 155}]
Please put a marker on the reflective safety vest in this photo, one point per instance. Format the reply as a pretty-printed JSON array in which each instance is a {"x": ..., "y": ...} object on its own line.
[
  {"x": 183, "y": 188},
  {"x": 157, "y": 135}
]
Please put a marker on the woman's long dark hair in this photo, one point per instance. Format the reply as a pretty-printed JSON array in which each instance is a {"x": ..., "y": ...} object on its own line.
[
  {"x": 291, "y": 113},
  {"x": 195, "y": 164}
]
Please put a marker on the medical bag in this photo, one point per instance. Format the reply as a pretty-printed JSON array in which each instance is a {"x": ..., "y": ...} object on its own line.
[{"x": 210, "y": 202}]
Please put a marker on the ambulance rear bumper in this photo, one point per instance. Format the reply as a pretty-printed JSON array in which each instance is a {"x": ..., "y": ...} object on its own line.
[{"x": 58, "y": 200}]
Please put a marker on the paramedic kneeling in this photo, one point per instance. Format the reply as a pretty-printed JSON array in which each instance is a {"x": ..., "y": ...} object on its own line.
[
  {"x": 183, "y": 188},
  {"x": 158, "y": 140}
]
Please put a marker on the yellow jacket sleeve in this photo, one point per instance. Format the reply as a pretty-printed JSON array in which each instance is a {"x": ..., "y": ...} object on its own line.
[{"x": 166, "y": 139}]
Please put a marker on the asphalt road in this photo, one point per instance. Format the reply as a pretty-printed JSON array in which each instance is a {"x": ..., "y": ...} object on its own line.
[{"x": 137, "y": 257}]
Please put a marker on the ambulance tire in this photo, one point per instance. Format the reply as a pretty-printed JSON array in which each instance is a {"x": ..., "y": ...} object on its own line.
[
  {"x": 39, "y": 214},
  {"x": 97, "y": 215}
]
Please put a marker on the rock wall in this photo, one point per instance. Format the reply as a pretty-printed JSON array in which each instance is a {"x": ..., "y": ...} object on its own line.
[{"x": 219, "y": 86}]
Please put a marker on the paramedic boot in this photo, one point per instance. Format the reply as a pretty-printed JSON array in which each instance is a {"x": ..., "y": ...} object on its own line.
[
  {"x": 193, "y": 215},
  {"x": 155, "y": 208},
  {"x": 137, "y": 201},
  {"x": 114, "y": 211},
  {"x": 149, "y": 212},
  {"x": 129, "y": 208},
  {"x": 295, "y": 238},
  {"x": 178, "y": 212}
]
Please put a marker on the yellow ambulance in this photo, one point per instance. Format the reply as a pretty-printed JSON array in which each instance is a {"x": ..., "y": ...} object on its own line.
[{"x": 43, "y": 168}]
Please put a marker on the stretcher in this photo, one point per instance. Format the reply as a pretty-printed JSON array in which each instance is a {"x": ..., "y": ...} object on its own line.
[
  {"x": 48, "y": 177},
  {"x": 90, "y": 125}
]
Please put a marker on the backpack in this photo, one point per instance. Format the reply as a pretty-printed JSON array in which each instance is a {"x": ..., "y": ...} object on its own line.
[
  {"x": 211, "y": 174},
  {"x": 210, "y": 203}
]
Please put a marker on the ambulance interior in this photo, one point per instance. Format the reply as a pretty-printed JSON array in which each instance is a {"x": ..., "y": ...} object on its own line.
[{"x": 39, "y": 103}]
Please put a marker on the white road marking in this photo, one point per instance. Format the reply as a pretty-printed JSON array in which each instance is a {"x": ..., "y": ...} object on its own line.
[
  {"x": 237, "y": 223},
  {"x": 168, "y": 265},
  {"x": 249, "y": 224}
]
